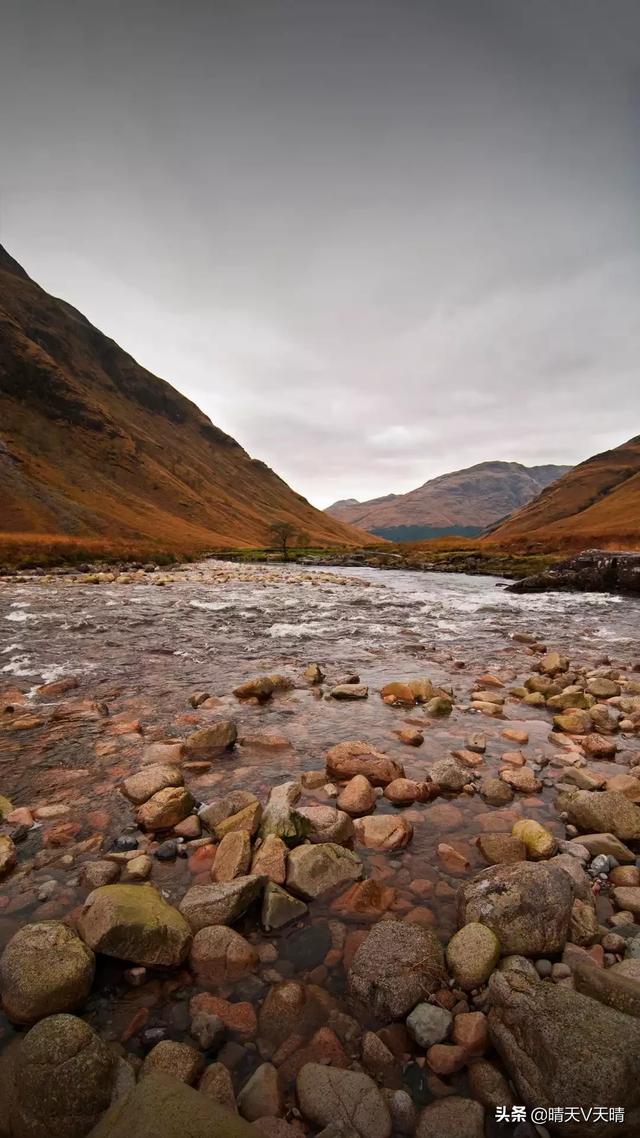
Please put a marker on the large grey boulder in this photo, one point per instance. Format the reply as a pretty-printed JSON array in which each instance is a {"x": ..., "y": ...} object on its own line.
[
  {"x": 313, "y": 870},
  {"x": 527, "y": 906},
  {"x": 45, "y": 969},
  {"x": 64, "y": 1078},
  {"x": 220, "y": 903},
  {"x": 562, "y": 1047},
  {"x": 602, "y": 811},
  {"x": 163, "y": 1107},
  {"x": 134, "y": 923},
  {"x": 397, "y": 966},
  {"x": 328, "y": 1095}
]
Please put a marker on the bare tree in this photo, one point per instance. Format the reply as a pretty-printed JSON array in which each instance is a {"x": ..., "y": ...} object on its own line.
[{"x": 284, "y": 535}]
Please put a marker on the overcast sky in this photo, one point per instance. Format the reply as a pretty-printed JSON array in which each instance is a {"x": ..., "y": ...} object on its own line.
[{"x": 375, "y": 240}]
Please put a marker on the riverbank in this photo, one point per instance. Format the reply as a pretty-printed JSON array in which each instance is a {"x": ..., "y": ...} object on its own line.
[{"x": 308, "y": 786}]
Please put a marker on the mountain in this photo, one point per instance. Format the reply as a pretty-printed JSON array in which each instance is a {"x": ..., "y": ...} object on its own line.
[
  {"x": 94, "y": 446},
  {"x": 464, "y": 502},
  {"x": 596, "y": 504}
]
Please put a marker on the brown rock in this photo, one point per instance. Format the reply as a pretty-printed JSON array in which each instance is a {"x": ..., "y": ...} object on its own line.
[
  {"x": 358, "y": 796},
  {"x": 165, "y": 809},
  {"x": 384, "y": 831},
  {"x": 219, "y": 955},
  {"x": 233, "y": 856},
  {"x": 354, "y": 757}
]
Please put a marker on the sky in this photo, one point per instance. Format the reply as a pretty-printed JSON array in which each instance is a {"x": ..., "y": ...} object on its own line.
[{"x": 374, "y": 240}]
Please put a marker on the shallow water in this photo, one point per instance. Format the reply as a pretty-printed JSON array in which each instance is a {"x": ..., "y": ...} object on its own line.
[{"x": 139, "y": 649}]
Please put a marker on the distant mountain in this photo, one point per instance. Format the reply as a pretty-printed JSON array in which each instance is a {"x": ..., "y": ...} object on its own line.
[
  {"x": 596, "y": 504},
  {"x": 94, "y": 446},
  {"x": 464, "y": 502}
]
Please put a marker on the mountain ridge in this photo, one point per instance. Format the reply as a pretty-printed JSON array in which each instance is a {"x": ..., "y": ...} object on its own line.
[
  {"x": 92, "y": 445},
  {"x": 463, "y": 502}
]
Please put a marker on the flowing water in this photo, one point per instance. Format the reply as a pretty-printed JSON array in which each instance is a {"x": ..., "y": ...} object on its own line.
[{"x": 138, "y": 648}]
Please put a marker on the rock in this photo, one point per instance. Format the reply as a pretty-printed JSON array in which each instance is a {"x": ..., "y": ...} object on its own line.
[
  {"x": 495, "y": 792},
  {"x": 540, "y": 844},
  {"x": 446, "y": 1058},
  {"x": 625, "y": 784},
  {"x": 138, "y": 788},
  {"x": 602, "y": 688},
  {"x": 599, "y": 747},
  {"x": 609, "y": 986},
  {"x": 261, "y": 1096},
  {"x": 411, "y": 737},
  {"x": 134, "y": 923},
  {"x": 96, "y": 873},
  {"x": 524, "y": 780},
  {"x": 328, "y": 1095},
  {"x": 247, "y": 819},
  {"x": 573, "y": 722},
  {"x": 397, "y": 965},
  {"x": 64, "y": 1079},
  {"x": 31, "y": 991},
  {"x": 138, "y": 869},
  {"x": 313, "y": 870},
  {"x": 429, "y": 1024},
  {"x": 449, "y": 775},
  {"x": 313, "y": 674},
  {"x": 165, "y": 809},
  {"x": 403, "y": 1112},
  {"x": 176, "y": 1059},
  {"x": 561, "y": 1046},
  {"x": 398, "y": 694},
  {"x": 439, "y": 706},
  {"x": 607, "y": 845},
  {"x": 358, "y": 796},
  {"x": 470, "y": 759},
  {"x": 327, "y": 824},
  {"x": 233, "y": 856},
  {"x": 583, "y": 926},
  {"x": 501, "y": 849},
  {"x": 470, "y": 1032},
  {"x": 346, "y": 760},
  {"x": 209, "y": 742},
  {"x": 476, "y": 741},
  {"x": 624, "y": 875},
  {"x": 552, "y": 664},
  {"x": 383, "y": 831},
  {"x": 163, "y": 754},
  {"x": 8, "y": 855},
  {"x": 163, "y": 1107},
  {"x": 215, "y": 813},
  {"x": 527, "y": 906},
  {"x": 472, "y": 954},
  {"x": 628, "y": 899},
  {"x": 404, "y": 791},
  {"x": 262, "y": 687},
  {"x": 280, "y": 818},
  {"x": 605, "y": 811},
  {"x": 220, "y": 903},
  {"x": 489, "y": 1086},
  {"x": 349, "y": 691},
  {"x": 270, "y": 860},
  {"x": 451, "y": 1117},
  {"x": 217, "y": 1084},
  {"x": 279, "y": 908},
  {"x": 219, "y": 955}
]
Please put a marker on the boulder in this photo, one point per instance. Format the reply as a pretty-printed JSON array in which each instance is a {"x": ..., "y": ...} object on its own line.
[
  {"x": 472, "y": 954},
  {"x": 327, "y": 824},
  {"x": 134, "y": 923},
  {"x": 233, "y": 856},
  {"x": 209, "y": 742},
  {"x": 165, "y": 809},
  {"x": 138, "y": 788},
  {"x": 346, "y": 760},
  {"x": 397, "y": 965},
  {"x": 404, "y": 791},
  {"x": 313, "y": 870},
  {"x": 279, "y": 908},
  {"x": 495, "y": 792},
  {"x": 219, "y": 955},
  {"x": 29, "y": 990},
  {"x": 451, "y": 1117},
  {"x": 527, "y": 906},
  {"x": 606, "y": 811},
  {"x": 64, "y": 1079},
  {"x": 606, "y": 844},
  {"x": 384, "y": 831},
  {"x": 163, "y": 1107},
  {"x": 328, "y": 1095},
  {"x": 449, "y": 775},
  {"x": 220, "y": 903},
  {"x": 501, "y": 849},
  {"x": 176, "y": 1059},
  {"x": 215, "y": 813},
  {"x": 398, "y": 694},
  {"x": 573, "y": 722},
  {"x": 560, "y": 1046},
  {"x": 8, "y": 855},
  {"x": 270, "y": 860},
  {"x": 261, "y": 1096},
  {"x": 349, "y": 691},
  {"x": 540, "y": 844},
  {"x": 262, "y": 688},
  {"x": 280, "y": 817},
  {"x": 610, "y": 986},
  {"x": 358, "y": 796}
]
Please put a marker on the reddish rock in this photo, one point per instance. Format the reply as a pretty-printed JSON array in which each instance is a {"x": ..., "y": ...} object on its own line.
[
  {"x": 369, "y": 898},
  {"x": 219, "y": 955},
  {"x": 355, "y": 757},
  {"x": 470, "y": 1032},
  {"x": 446, "y": 1058},
  {"x": 384, "y": 832},
  {"x": 239, "y": 1019}
]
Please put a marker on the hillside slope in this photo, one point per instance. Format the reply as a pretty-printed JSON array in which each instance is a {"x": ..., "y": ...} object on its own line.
[
  {"x": 596, "y": 503},
  {"x": 463, "y": 502},
  {"x": 94, "y": 446}
]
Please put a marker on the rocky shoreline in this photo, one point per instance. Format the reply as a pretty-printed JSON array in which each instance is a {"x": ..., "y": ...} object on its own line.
[
  {"x": 592, "y": 571},
  {"x": 384, "y": 1029}
]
